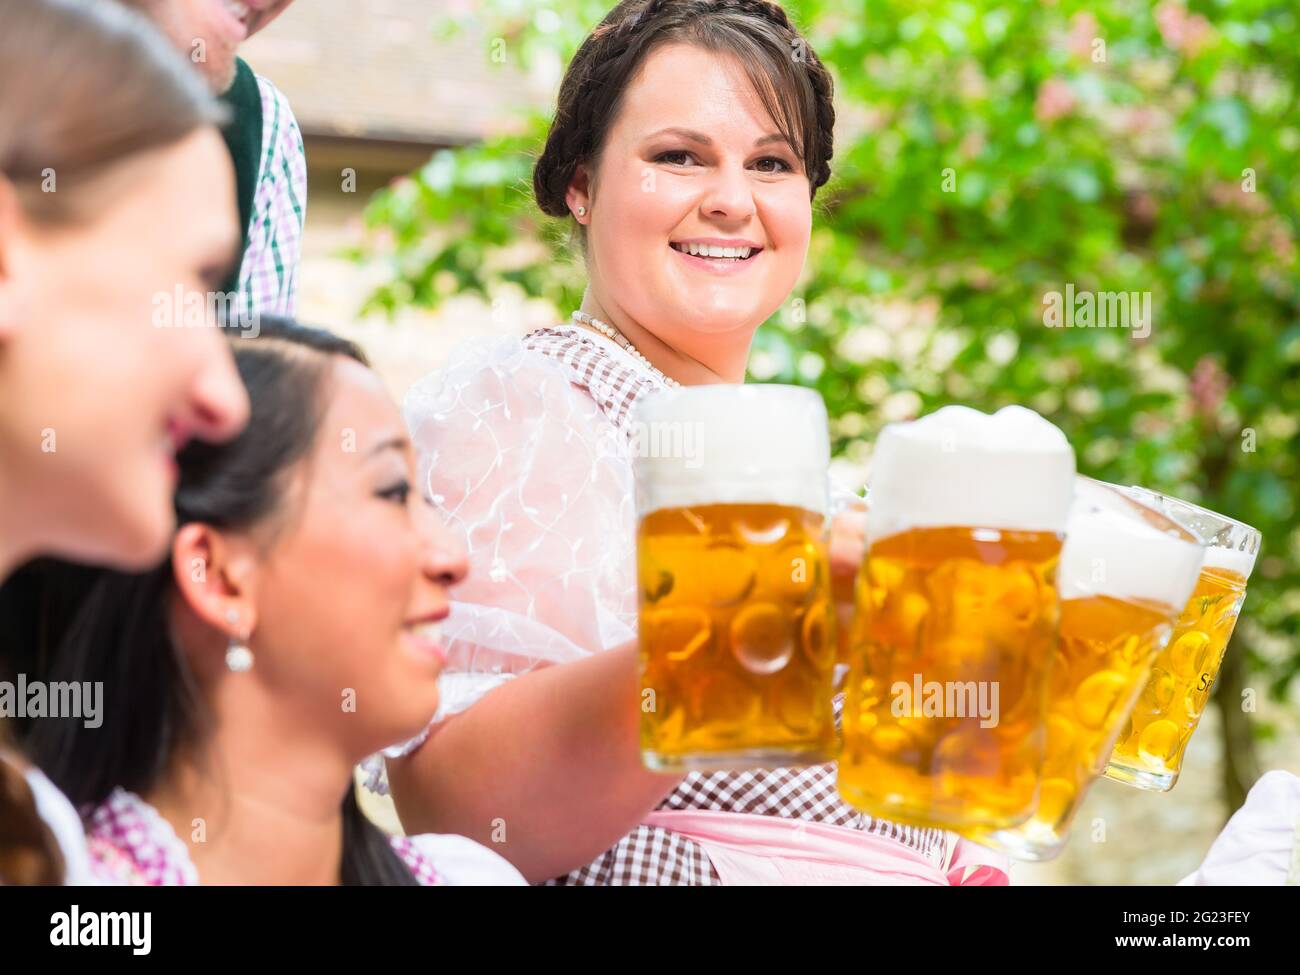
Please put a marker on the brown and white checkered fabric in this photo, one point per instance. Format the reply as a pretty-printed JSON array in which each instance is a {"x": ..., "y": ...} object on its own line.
[{"x": 652, "y": 855}]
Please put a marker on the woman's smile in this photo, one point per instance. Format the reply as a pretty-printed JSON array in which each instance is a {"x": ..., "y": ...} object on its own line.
[{"x": 716, "y": 255}]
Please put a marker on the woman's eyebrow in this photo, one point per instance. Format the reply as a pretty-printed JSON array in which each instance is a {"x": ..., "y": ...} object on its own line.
[
  {"x": 398, "y": 443},
  {"x": 699, "y": 137},
  {"x": 689, "y": 134}
]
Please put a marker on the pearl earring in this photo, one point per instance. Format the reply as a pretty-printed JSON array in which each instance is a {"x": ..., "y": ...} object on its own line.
[
  {"x": 582, "y": 211},
  {"x": 238, "y": 657}
]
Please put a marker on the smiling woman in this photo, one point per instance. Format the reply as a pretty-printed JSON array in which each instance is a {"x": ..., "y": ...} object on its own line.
[
  {"x": 291, "y": 632},
  {"x": 689, "y": 139},
  {"x": 94, "y": 402},
  {"x": 688, "y": 143}
]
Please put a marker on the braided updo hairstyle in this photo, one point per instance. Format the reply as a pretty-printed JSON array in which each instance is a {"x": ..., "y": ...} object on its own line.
[{"x": 793, "y": 85}]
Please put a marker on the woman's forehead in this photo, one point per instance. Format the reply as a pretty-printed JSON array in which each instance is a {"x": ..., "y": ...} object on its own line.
[{"x": 680, "y": 83}]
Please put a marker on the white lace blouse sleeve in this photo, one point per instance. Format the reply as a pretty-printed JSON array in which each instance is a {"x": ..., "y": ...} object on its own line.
[
  {"x": 526, "y": 467},
  {"x": 464, "y": 863},
  {"x": 63, "y": 821}
]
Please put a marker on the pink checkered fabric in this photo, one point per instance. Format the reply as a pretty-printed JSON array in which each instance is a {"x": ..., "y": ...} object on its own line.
[
  {"x": 417, "y": 862},
  {"x": 132, "y": 845}
]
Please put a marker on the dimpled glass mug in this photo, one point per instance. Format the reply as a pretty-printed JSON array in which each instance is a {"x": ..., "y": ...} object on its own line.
[
  {"x": 1150, "y": 750},
  {"x": 1126, "y": 570},
  {"x": 956, "y": 619},
  {"x": 736, "y": 620}
]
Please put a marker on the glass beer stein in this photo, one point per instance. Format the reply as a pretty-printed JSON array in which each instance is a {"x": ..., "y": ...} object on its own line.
[
  {"x": 956, "y": 619},
  {"x": 1150, "y": 750},
  {"x": 736, "y": 622},
  {"x": 1126, "y": 570}
]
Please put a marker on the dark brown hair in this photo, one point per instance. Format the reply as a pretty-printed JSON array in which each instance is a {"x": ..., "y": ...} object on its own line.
[
  {"x": 85, "y": 85},
  {"x": 794, "y": 86}
]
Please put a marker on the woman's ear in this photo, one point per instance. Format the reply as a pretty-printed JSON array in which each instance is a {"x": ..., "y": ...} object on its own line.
[
  {"x": 216, "y": 577},
  {"x": 578, "y": 195}
]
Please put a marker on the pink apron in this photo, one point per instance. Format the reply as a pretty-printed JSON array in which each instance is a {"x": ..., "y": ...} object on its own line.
[{"x": 771, "y": 851}]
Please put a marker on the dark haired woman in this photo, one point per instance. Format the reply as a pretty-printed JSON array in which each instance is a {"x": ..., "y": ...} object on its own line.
[
  {"x": 292, "y": 631},
  {"x": 111, "y": 196},
  {"x": 689, "y": 141}
]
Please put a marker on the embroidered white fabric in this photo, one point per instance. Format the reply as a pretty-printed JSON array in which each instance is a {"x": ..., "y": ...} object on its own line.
[
  {"x": 538, "y": 480},
  {"x": 524, "y": 467}
]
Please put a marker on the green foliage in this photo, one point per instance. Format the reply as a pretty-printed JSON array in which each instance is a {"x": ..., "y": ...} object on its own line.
[{"x": 988, "y": 155}]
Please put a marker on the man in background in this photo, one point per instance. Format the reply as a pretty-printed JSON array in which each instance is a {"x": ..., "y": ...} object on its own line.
[{"x": 263, "y": 138}]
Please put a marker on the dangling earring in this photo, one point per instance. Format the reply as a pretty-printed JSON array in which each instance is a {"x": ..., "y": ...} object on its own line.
[
  {"x": 582, "y": 211},
  {"x": 238, "y": 657}
]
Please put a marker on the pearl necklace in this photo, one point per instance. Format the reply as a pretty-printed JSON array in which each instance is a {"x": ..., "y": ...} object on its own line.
[{"x": 621, "y": 340}]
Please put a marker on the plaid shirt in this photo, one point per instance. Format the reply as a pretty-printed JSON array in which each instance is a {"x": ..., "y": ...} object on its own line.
[
  {"x": 651, "y": 854},
  {"x": 268, "y": 279}
]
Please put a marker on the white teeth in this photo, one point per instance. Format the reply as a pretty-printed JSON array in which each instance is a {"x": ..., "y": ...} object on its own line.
[{"x": 714, "y": 251}]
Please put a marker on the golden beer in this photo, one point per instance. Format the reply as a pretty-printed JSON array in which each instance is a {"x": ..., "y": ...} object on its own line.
[
  {"x": 1149, "y": 753},
  {"x": 736, "y": 620},
  {"x": 969, "y": 616},
  {"x": 737, "y": 636},
  {"x": 1105, "y": 652},
  {"x": 956, "y": 619},
  {"x": 1125, "y": 569}
]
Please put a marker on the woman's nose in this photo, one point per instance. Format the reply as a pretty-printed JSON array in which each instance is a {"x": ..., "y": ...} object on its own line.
[
  {"x": 729, "y": 195},
  {"x": 445, "y": 559},
  {"x": 218, "y": 400}
]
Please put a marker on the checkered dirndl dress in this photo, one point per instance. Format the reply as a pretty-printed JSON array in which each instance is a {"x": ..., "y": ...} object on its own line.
[{"x": 653, "y": 855}]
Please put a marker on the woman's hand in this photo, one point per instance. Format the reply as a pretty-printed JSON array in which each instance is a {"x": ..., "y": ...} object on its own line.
[{"x": 848, "y": 545}]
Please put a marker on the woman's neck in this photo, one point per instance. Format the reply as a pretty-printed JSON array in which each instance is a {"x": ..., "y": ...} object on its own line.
[
  {"x": 724, "y": 363},
  {"x": 259, "y": 808}
]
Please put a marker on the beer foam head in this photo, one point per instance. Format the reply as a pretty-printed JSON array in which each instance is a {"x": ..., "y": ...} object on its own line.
[
  {"x": 958, "y": 467},
  {"x": 1230, "y": 544},
  {"x": 1116, "y": 546},
  {"x": 728, "y": 444},
  {"x": 1233, "y": 559}
]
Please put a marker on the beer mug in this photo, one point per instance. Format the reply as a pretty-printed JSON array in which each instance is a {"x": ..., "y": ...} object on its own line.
[
  {"x": 736, "y": 631},
  {"x": 956, "y": 621},
  {"x": 1126, "y": 570},
  {"x": 1151, "y": 746}
]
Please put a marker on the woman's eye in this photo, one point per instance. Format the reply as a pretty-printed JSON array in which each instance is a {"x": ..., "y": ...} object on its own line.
[
  {"x": 783, "y": 166},
  {"x": 677, "y": 157},
  {"x": 398, "y": 493}
]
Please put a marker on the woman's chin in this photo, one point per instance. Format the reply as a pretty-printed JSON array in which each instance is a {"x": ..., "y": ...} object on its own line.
[
  {"x": 712, "y": 315},
  {"x": 132, "y": 536}
]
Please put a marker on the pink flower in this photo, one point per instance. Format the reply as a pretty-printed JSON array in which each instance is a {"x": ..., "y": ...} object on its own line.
[
  {"x": 1083, "y": 31},
  {"x": 1208, "y": 386},
  {"x": 1055, "y": 98},
  {"x": 1182, "y": 31}
]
